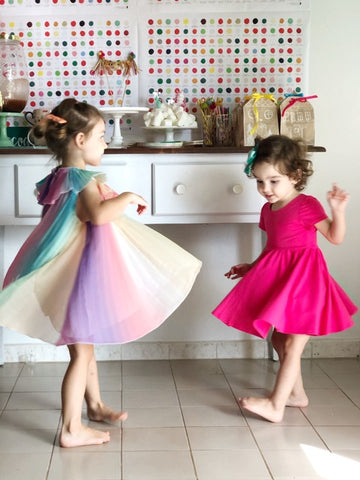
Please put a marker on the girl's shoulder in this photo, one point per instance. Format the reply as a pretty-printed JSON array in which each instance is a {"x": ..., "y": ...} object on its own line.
[
  {"x": 65, "y": 180},
  {"x": 311, "y": 209}
]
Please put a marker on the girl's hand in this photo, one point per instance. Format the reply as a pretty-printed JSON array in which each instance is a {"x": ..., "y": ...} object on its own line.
[
  {"x": 238, "y": 271},
  {"x": 337, "y": 198},
  {"x": 141, "y": 209},
  {"x": 141, "y": 203}
]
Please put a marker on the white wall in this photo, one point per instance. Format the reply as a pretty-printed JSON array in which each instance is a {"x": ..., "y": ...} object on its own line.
[{"x": 334, "y": 73}]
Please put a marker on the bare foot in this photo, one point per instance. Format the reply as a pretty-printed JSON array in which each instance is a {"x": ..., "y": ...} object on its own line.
[
  {"x": 262, "y": 407},
  {"x": 102, "y": 413},
  {"x": 82, "y": 437},
  {"x": 299, "y": 401}
]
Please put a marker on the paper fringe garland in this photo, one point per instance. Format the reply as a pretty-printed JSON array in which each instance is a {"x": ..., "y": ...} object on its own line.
[{"x": 108, "y": 67}]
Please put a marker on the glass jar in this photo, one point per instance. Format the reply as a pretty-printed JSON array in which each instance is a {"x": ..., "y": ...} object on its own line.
[{"x": 14, "y": 83}]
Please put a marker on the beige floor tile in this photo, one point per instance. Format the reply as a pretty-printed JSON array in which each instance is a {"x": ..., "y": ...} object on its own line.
[
  {"x": 7, "y": 384},
  {"x": 152, "y": 439},
  {"x": 341, "y": 437},
  {"x": 204, "y": 367},
  {"x": 235, "y": 465},
  {"x": 292, "y": 465},
  {"x": 221, "y": 438},
  {"x": 154, "y": 417},
  {"x": 270, "y": 437},
  {"x": 158, "y": 466},
  {"x": 34, "y": 401},
  {"x": 246, "y": 380},
  {"x": 208, "y": 416},
  {"x": 197, "y": 380},
  {"x": 11, "y": 369},
  {"x": 72, "y": 464},
  {"x": 32, "y": 466},
  {"x": 209, "y": 397},
  {"x": 110, "y": 383},
  {"x": 38, "y": 384},
  {"x": 109, "y": 368},
  {"x": 25, "y": 420},
  {"x": 143, "y": 382},
  {"x": 150, "y": 398},
  {"x": 225, "y": 443},
  {"x": 13, "y": 440},
  {"x": 333, "y": 415},
  {"x": 46, "y": 369},
  {"x": 4, "y": 397},
  {"x": 327, "y": 396},
  {"x": 146, "y": 367}
]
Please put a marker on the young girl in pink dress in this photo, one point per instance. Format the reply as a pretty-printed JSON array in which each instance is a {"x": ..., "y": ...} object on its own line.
[
  {"x": 288, "y": 287},
  {"x": 88, "y": 274}
]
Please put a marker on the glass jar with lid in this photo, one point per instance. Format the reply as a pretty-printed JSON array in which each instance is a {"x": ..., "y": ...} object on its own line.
[{"x": 14, "y": 82}]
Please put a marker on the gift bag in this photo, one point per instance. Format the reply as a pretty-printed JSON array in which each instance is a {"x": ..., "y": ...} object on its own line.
[
  {"x": 297, "y": 119},
  {"x": 260, "y": 118},
  {"x": 238, "y": 125}
]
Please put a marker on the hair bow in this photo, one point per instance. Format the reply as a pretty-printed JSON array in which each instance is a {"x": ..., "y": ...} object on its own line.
[
  {"x": 250, "y": 160},
  {"x": 56, "y": 119}
]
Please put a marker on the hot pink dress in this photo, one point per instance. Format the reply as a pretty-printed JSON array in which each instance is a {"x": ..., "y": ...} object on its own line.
[{"x": 289, "y": 288}]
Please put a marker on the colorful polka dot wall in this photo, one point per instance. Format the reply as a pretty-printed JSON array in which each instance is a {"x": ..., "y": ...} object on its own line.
[
  {"x": 224, "y": 56},
  {"x": 203, "y": 51}
]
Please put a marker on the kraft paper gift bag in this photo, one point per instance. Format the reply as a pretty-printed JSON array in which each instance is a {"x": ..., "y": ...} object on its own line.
[
  {"x": 238, "y": 125},
  {"x": 297, "y": 119},
  {"x": 260, "y": 118}
]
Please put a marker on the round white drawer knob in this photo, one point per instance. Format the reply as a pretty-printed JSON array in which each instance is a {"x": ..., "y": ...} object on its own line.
[
  {"x": 180, "y": 189},
  {"x": 237, "y": 189}
]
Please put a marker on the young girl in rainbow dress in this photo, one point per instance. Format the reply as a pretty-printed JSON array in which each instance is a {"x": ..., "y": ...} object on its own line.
[
  {"x": 288, "y": 287},
  {"x": 88, "y": 274}
]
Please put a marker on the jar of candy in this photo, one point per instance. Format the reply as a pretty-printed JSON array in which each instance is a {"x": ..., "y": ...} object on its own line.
[{"x": 14, "y": 82}]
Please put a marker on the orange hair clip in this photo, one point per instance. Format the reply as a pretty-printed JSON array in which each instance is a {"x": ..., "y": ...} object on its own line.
[{"x": 56, "y": 119}]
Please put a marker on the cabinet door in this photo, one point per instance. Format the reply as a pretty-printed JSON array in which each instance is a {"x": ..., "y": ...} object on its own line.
[
  {"x": 195, "y": 189},
  {"x": 6, "y": 193},
  {"x": 26, "y": 177}
]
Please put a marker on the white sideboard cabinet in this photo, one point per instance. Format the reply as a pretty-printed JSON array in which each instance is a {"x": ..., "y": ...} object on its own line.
[
  {"x": 180, "y": 188},
  {"x": 197, "y": 185}
]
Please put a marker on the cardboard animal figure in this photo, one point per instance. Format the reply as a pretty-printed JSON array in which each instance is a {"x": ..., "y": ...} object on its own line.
[
  {"x": 260, "y": 117},
  {"x": 297, "y": 119}
]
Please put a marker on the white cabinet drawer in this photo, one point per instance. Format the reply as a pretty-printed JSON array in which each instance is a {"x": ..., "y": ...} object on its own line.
[
  {"x": 27, "y": 175},
  {"x": 196, "y": 189}
]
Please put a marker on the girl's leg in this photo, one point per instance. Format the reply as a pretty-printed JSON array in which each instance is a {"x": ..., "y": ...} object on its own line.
[
  {"x": 96, "y": 409},
  {"x": 273, "y": 408},
  {"x": 298, "y": 397},
  {"x": 73, "y": 432}
]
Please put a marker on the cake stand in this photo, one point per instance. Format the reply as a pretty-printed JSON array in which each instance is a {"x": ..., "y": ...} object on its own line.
[
  {"x": 4, "y": 139},
  {"x": 117, "y": 113},
  {"x": 169, "y": 132}
]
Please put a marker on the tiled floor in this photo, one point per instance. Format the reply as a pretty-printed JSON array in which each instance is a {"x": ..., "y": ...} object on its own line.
[{"x": 184, "y": 423}]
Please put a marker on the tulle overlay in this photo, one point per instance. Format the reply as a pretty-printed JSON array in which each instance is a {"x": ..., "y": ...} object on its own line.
[
  {"x": 79, "y": 283},
  {"x": 289, "y": 287}
]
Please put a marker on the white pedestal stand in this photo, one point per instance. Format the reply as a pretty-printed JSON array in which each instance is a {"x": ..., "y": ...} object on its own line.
[{"x": 117, "y": 113}]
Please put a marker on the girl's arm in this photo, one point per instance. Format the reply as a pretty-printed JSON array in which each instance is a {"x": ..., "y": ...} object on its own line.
[
  {"x": 334, "y": 230},
  {"x": 238, "y": 271},
  {"x": 91, "y": 207}
]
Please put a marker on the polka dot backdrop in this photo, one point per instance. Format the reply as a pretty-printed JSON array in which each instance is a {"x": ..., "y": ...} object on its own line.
[
  {"x": 221, "y": 54},
  {"x": 227, "y": 56}
]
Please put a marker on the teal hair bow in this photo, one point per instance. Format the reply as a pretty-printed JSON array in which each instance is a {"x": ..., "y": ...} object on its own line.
[{"x": 250, "y": 160}]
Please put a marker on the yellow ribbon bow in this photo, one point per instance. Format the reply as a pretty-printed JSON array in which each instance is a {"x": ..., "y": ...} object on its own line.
[{"x": 257, "y": 97}]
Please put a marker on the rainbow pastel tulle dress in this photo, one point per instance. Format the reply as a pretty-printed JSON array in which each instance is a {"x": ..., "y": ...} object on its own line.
[{"x": 73, "y": 282}]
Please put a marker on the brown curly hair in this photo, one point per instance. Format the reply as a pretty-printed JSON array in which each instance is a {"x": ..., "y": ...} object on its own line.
[
  {"x": 287, "y": 155},
  {"x": 79, "y": 117}
]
